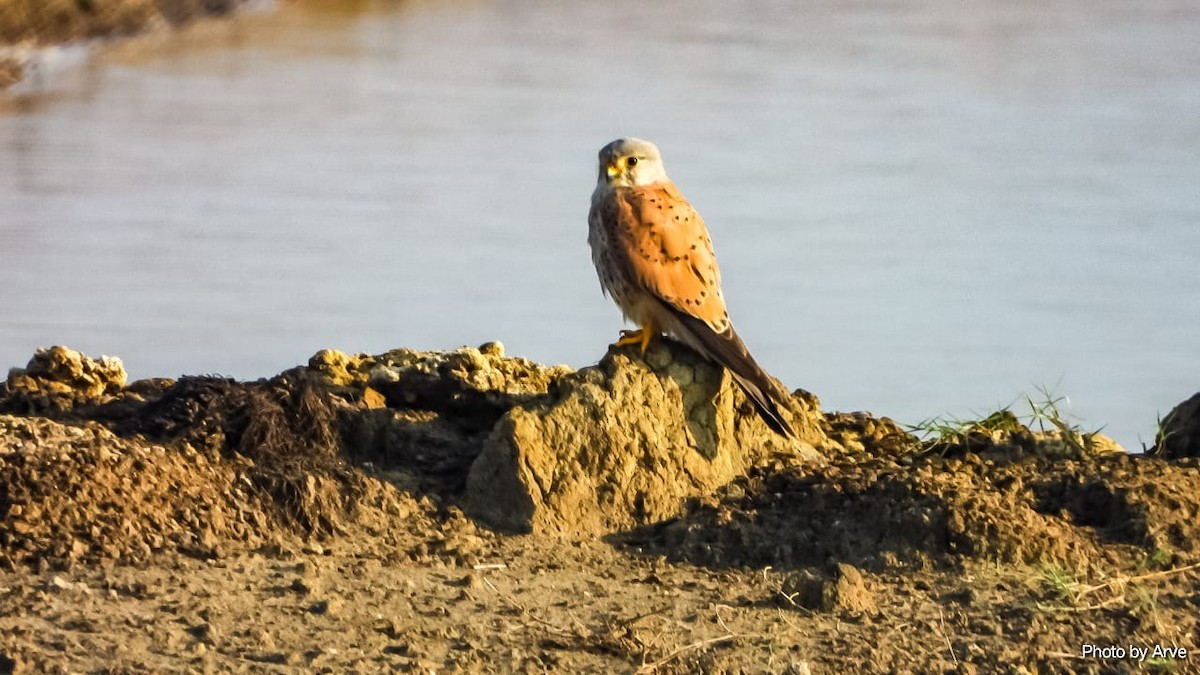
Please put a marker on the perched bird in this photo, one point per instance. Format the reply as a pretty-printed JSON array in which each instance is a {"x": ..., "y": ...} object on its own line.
[{"x": 655, "y": 259}]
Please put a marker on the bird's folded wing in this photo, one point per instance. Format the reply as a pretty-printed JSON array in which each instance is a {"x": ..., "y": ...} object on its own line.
[{"x": 669, "y": 253}]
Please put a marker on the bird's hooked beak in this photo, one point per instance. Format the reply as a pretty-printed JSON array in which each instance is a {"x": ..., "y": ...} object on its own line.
[{"x": 613, "y": 169}]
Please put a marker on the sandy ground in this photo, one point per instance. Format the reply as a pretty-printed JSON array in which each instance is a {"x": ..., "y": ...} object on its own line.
[{"x": 541, "y": 606}]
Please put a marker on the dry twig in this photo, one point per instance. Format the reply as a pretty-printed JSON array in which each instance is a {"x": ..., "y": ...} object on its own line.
[
  {"x": 554, "y": 628},
  {"x": 1117, "y": 585},
  {"x": 1122, "y": 581},
  {"x": 1066, "y": 608},
  {"x": 942, "y": 621},
  {"x": 699, "y": 644}
]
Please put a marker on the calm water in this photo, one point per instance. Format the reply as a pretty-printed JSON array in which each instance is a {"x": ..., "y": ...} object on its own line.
[{"x": 920, "y": 207}]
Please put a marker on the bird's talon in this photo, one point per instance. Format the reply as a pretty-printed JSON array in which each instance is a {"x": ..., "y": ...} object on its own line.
[
  {"x": 640, "y": 337},
  {"x": 629, "y": 337}
]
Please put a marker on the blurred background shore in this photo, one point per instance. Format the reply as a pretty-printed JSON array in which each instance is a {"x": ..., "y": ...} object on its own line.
[{"x": 27, "y": 25}]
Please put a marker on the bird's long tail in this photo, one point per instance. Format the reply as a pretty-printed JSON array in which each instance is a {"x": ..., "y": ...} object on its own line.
[
  {"x": 765, "y": 405},
  {"x": 727, "y": 349}
]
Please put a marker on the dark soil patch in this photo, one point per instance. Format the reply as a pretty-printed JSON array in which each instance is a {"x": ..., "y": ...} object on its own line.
[{"x": 922, "y": 512}]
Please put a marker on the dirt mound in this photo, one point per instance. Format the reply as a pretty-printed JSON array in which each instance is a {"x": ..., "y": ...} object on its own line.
[
  {"x": 624, "y": 443},
  {"x": 71, "y": 493},
  {"x": 606, "y": 448},
  {"x": 1179, "y": 435},
  {"x": 285, "y": 427},
  {"x": 841, "y": 589},
  {"x": 624, "y": 446},
  {"x": 1137, "y": 500},
  {"x": 422, "y": 417},
  {"x": 233, "y": 464},
  {"x": 189, "y": 465},
  {"x": 621, "y": 443},
  {"x": 931, "y": 510}
]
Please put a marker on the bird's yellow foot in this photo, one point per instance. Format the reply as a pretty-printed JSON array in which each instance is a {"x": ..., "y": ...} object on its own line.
[
  {"x": 630, "y": 337},
  {"x": 641, "y": 337}
]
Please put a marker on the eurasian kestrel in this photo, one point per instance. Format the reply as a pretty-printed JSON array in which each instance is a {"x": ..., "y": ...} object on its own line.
[{"x": 655, "y": 258}]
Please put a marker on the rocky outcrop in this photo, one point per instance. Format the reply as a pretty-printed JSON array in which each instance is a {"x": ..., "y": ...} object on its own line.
[
  {"x": 842, "y": 589},
  {"x": 1179, "y": 433},
  {"x": 422, "y": 416},
  {"x": 549, "y": 449},
  {"x": 59, "y": 378},
  {"x": 625, "y": 443},
  {"x": 477, "y": 385}
]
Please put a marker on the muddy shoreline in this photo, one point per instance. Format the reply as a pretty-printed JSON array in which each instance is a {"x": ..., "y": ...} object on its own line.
[
  {"x": 27, "y": 26},
  {"x": 470, "y": 511}
]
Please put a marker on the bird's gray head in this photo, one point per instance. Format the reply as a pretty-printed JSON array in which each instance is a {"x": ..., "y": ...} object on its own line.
[{"x": 630, "y": 162}]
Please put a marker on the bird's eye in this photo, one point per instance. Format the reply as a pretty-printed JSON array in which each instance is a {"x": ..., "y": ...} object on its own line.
[{"x": 632, "y": 161}]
